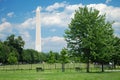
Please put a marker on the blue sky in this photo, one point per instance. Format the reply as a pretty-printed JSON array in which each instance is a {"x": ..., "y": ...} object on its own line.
[{"x": 18, "y": 17}]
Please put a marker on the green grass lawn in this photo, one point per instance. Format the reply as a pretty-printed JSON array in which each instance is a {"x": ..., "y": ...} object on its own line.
[
  {"x": 57, "y": 75},
  {"x": 28, "y": 72}
]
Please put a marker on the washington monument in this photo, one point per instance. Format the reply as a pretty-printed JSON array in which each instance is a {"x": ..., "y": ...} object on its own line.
[{"x": 38, "y": 31}]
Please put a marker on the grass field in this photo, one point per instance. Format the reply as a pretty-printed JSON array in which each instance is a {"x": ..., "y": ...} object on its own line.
[
  {"x": 53, "y": 75},
  {"x": 11, "y": 72}
]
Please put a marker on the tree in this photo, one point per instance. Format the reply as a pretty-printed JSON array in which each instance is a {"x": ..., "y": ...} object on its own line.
[
  {"x": 103, "y": 42},
  {"x": 12, "y": 59},
  {"x": 15, "y": 43},
  {"x": 63, "y": 58},
  {"x": 43, "y": 57},
  {"x": 88, "y": 34},
  {"x": 51, "y": 57},
  {"x": 4, "y": 52},
  {"x": 31, "y": 56},
  {"x": 57, "y": 57}
]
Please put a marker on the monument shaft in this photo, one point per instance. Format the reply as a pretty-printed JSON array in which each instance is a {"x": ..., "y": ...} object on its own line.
[{"x": 38, "y": 31}]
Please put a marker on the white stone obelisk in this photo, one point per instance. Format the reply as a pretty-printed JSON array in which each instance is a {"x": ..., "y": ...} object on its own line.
[{"x": 38, "y": 31}]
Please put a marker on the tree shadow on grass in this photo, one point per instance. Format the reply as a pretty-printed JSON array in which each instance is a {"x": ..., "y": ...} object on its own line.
[{"x": 99, "y": 72}]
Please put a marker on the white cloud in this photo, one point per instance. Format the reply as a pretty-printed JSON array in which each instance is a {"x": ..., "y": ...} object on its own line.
[
  {"x": 29, "y": 43},
  {"x": 51, "y": 19},
  {"x": 116, "y": 26},
  {"x": 58, "y": 19},
  {"x": 56, "y": 6},
  {"x": 24, "y": 29},
  {"x": 63, "y": 18},
  {"x": 57, "y": 39},
  {"x": 107, "y": 1},
  {"x": 54, "y": 43},
  {"x": 5, "y": 26},
  {"x": 28, "y": 24},
  {"x": 10, "y": 14},
  {"x": 5, "y": 29},
  {"x": 72, "y": 8},
  {"x": 26, "y": 35}
]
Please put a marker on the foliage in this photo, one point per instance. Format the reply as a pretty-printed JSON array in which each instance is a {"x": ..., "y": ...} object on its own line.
[
  {"x": 12, "y": 58},
  {"x": 90, "y": 35},
  {"x": 15, "y": 43},
  {"x": 115, "y": 58},
  {"x": 63, "y": 58},
  {"x": 30, "y": 56},
  {"x": 51, "y": 57},
  {"x": 64, "y": 55},
  {"x": 13, "y": 47},
  {"x": 4, "y": 52},
  {"x": 43, "y": 57},
  {"x": 57, "y": 57}
]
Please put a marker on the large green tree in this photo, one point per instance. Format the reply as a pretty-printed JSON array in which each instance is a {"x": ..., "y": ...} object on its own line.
[
  {"x": 88, "y": 34},
  {"x": 15, "y": 43}
]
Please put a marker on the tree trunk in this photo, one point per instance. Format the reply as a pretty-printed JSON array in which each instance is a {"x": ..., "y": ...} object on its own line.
[
  {"x": 63, "y": 67},
  {"x": 114, "y": 65},
  {"x": 87, "y": 51},
  {"x": 102, "y": 67},
  {"x": 87, "y": 70}
]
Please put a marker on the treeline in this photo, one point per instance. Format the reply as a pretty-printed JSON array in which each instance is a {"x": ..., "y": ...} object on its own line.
[{"x": 12, "y": 52}]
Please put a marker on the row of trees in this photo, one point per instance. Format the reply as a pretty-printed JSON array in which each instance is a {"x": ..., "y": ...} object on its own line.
[
  {"x": 12, "y": 52},
  {"x": 11, "y": 49},
  {"x": 10, "y": 55},
  {"x": 90, "y": 36}
]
